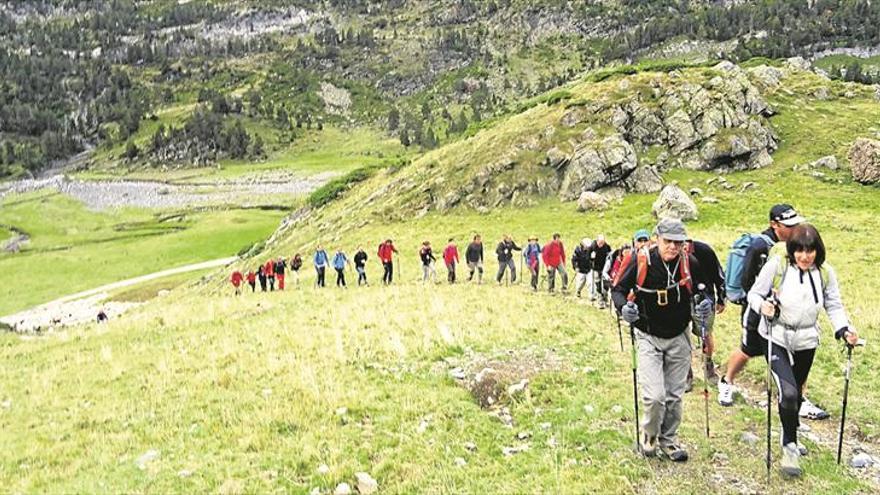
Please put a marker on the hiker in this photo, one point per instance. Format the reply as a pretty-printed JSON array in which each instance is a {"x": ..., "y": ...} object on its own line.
[
  {"x": 269, "y": 268},
  {"x": 360, "y": 265},
  {"x": 660, "y": 281},
  {"x": 504, "y": 251},
  {"x": 614, "y": 262},
  {"x": 580, "y": 261},
  {"x": 599, "y": 252},
  {"x": 427, "y": 256},
  {"x": 236, "y": 279},
  {"x": 714, "y": 275},
  {"x": 474, "y": 258},
  {"x": 553, "y": 256},
  {"x": 450, "y": 258},
  {"x": 295, "y": 264},
  {"x": 532, "y": 256},
  {"x": 386, "y": 256},
  {"x": 789, "y": 292},
  {"x": 754, "y": 250},
  {"x": 280, "y": 267},
  {"x": 339, "y": 262},
  {"x": 641, "y": 239},
  {"x": 261, "y": 273},
  {"x": 252, "y": 280},
  {"x": 322, "y": 261},
  {"x": 102, "y": 316}
]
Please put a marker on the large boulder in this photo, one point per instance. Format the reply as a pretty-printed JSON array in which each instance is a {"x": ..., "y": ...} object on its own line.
[
  {"x": 644, "y": 179},
  {"x": 767, "y": 76},
  {"x": 674, "y": 203},
  {"x": 864, "y": 160},
  {"x": 592, "y": 201},
  {"x": 597, "y": 164}
]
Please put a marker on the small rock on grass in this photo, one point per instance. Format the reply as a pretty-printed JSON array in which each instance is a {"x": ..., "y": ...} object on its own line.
[
  {"x": 460, "y": 462},
  {"x": 470, "y": 446},
  {"x": 749, "y": 438},
  {"x": 366, "y": 485},
  {"x": 546, "y": 426},
  {"x": 342, "y": 489},
  {"x": 323, "y": 469},
  {"x": 184, "y": 473},
  {"x": 861, "y": 461},
  {"x": 617, "y": 409},
  {"x": 523, "y": 435},
  {"x": 146, "y": 458}
]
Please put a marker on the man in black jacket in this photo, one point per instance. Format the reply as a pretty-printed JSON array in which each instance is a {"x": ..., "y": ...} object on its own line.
[
  {"x": 474, "y": 258},
  {"x": 714, "y": 275},
  {"x": 661, "y": 312},
  {"x": 580, "y": 260},
  {"x": 783, "y": 219},
  {"x": 360, "y": 264},
  {"x": 505, "y": 251},
  {"x": 599, "y": 252}
]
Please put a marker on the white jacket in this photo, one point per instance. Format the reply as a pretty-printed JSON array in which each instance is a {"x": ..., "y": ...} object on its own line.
[{"x": 801, "y": 298}]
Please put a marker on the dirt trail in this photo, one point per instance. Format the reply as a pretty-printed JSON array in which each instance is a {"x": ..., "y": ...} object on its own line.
[{"x": 84, "y": 306}]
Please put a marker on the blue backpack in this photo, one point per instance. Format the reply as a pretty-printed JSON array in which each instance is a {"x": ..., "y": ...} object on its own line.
[{"x": 735, "y": 261}]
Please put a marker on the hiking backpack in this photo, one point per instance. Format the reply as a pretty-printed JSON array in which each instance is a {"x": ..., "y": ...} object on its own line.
[
  {"x": 643, "y": 260},
  {"x": 736, "y": 293}
]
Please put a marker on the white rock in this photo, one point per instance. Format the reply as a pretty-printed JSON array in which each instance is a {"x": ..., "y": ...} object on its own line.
[
  {"x": 457, "y": 373},
  {"x": 184, "y": 473},
  {"x": 470, "y": 446},
  {"x": 146, "y": 458},
  {"x": 323, "y": 469},
  {"x": 546, "y": 426},
  {"x": 423, "y": 426},
  {"x": 749, "y": 438},
  {"x": 460, "y": 462},
  {"x": 366, "y": 485},
  {"x": 342, "y": 489},
  {"x": 589, "y": 409},
  {"x": 862, "y": 460},
  {"x": 617, "y": 409},
  {"x": 342, "y": 411},
  {"x": 517, "y": 388},
  {"x": 6, "y": 404},
  {"x": 523, "y": 435}
]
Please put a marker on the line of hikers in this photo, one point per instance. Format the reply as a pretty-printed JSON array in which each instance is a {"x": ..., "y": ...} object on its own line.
[{"x": 663, "y": 284}]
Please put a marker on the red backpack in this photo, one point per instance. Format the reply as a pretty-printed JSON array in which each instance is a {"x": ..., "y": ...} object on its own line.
[{"x": 684, "y": 270}]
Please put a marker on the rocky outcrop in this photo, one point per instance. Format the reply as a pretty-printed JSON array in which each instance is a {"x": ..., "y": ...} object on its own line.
[
  {"x": 864, "y": 160},
  {"x": 597, "y": 164},
  {"x": 674, "y": 203}
]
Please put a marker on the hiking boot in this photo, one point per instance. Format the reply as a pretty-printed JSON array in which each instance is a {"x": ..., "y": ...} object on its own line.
[
  {"x": 690, "y": 381},
  {"x": 649, "y": 446},
  {"x": 790, "y": 464},
  {"x": 812, "y": 411},
  {"x": 711, "y": 375},
  {"x": 602, "y": 304},
  {"x": 579, "y": 293},
  {"x": 725, "y": 393},
  {"x": 802, "y": 449},
  {"x": 674, "y": 452}
]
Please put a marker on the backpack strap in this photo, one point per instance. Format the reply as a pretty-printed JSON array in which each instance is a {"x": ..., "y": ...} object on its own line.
[
  {"x": 643, "y": 259},
  {"x": 685, "y": 272}
]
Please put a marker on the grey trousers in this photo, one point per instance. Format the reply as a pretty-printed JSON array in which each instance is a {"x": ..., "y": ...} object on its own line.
[
  {"x": 663, "y": 370},
  {"x": 551, "y": 277},
  {"x": 503, "y": 265}
]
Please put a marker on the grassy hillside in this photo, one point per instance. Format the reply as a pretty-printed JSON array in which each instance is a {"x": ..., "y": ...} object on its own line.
[
  {"x": 253, "y": 394},
  {"x": 72, "y": 248}
]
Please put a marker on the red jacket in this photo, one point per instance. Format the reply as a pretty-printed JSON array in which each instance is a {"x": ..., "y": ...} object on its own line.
[
  {"x": 251, "y": 277},
  {"x": 236, "y": 278},
  {"x": 269, "y": 268},
  {"x": 553, "y": 254},
  {"x": 450, "y": 254},
  {"x": 386, "y": 251}
]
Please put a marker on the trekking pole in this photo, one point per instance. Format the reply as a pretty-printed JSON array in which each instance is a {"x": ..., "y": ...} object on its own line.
[
  {"x": 769, "y": 325},
  {"x": 699, "y": 297},
  {"x": 846, "y": 375},
  {"x": 632, "y": 336}
]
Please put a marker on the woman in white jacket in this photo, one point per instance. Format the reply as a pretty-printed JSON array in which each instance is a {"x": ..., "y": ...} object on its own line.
[{"x": 789, "y": 292}]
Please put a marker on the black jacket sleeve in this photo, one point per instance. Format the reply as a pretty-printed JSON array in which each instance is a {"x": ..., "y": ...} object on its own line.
[{"x": 627, "y": 283}]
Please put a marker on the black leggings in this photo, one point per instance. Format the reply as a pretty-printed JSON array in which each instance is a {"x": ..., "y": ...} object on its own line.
[
  {"x": 321, "y": 271},
  {"x": 790, "y": 371},
  {"x": 340, "y": 277}
]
